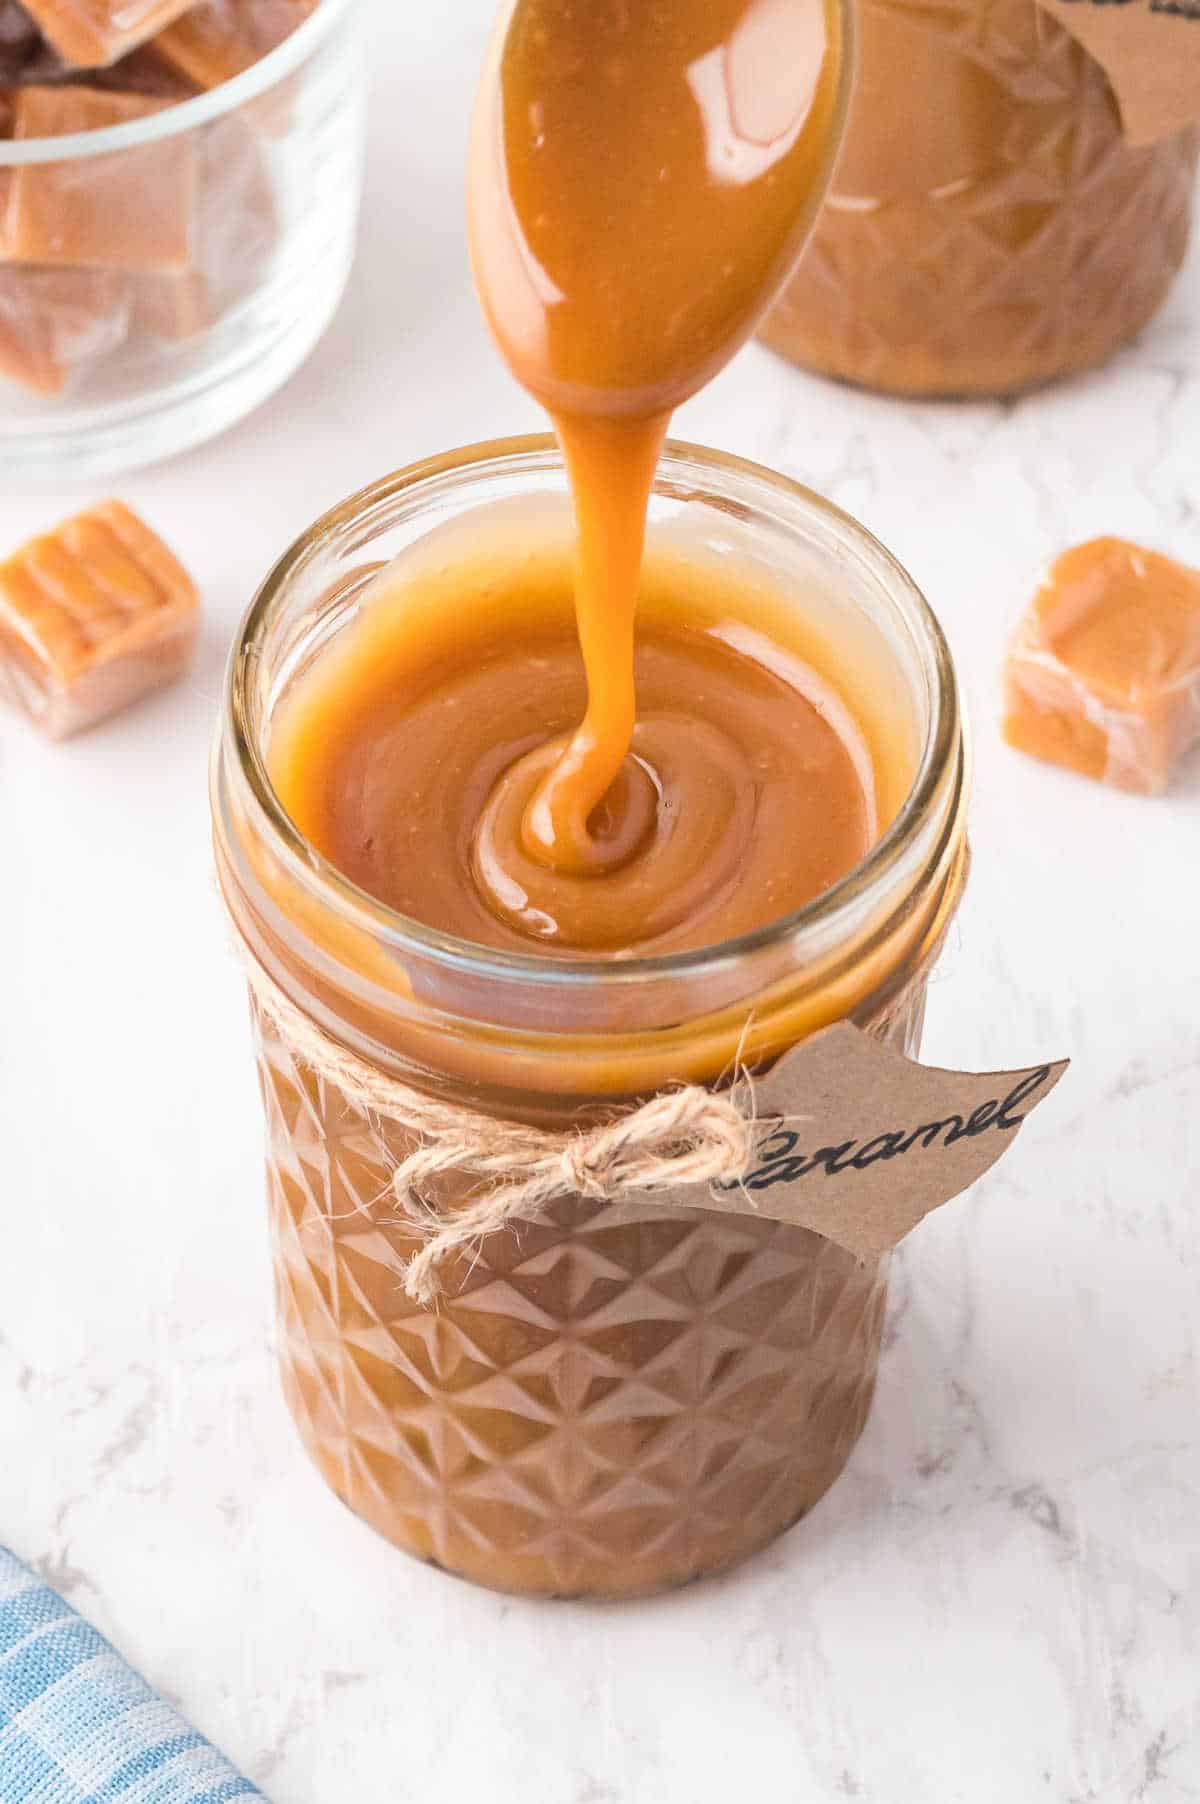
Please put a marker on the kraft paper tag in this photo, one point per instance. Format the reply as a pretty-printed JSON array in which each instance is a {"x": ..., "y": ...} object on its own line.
[
  {"x": 1150, "y": 51},
  {"x": 859, "y": 1143}
]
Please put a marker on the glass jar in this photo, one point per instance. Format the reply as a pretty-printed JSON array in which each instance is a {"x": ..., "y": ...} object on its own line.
[
  {"x": 617, "y": 1398},
  {"x": 164, "y": 275},
  {"x": 988, "y": 227}
]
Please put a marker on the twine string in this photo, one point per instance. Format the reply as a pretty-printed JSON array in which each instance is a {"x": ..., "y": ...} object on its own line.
[{"x": 684, "y": 1135}]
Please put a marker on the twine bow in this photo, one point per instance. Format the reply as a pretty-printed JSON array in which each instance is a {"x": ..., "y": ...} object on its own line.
[{"x": 686, "y": 1135}]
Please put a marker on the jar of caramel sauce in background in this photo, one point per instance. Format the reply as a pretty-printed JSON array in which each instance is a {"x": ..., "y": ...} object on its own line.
[
  {"x": 618, "y": 1397},
  {"x": 988, "y": 227}
]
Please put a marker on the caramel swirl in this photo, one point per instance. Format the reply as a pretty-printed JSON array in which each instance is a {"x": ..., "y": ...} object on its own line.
[
  {"x": 747, "y": 790},
  {"x": 642, "y": 179}
]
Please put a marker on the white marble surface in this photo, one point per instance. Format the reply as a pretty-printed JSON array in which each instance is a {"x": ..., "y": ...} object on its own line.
[{"x": 1001, "y": 1600}]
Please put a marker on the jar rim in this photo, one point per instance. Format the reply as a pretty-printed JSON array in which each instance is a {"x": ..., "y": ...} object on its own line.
[
  {"x": 184, "y": 115},
  {"x": 535, "y": 453}
]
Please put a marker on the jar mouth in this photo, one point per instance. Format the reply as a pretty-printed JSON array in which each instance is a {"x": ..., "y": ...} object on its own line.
[
  {"x": 183, "y": 115},
  {"x": 681, "y": 473}
]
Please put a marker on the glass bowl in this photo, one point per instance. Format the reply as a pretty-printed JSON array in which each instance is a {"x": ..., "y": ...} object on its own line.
[{"x": 160, "y": 277}]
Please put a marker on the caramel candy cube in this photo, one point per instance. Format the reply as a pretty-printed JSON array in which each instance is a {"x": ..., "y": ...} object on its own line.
[
  {"x": 1103, "y": 674},
  {"x": 8, "y": 107},
  {"x": 126, "y": 209},
  {"x": 236, "y": 229},
  {"x": 143, "y": 71},
  {"x": 217, "y": 39},
  {"x": 19, "y": 40},
  {"x": 93, "y": 615},
  {"x": 175, "y": 305},
  {"x": 92, "y": 33},
  {"x": 55, "y": 321}
]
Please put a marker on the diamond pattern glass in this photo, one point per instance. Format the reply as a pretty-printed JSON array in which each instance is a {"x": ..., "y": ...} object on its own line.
[
  {"x": 988, "y": 227},
  {"x": 606, "y": 1403}
]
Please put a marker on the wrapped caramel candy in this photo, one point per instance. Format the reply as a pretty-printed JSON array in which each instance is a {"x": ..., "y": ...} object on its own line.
[
  {"x": 160, "y": 240},
  {"x": 93, "y": 615},
  {"x": 143, "y": 71},
  {"x": 53, "y": 321},
  {"x": 217, "y": 39},
  {"x": 132, "y": 209},
  {"x": 1104, "y": 672},
  {"x": 92, "y": 33},
  {"x": 236, "y": 227},
  {"x": 19, "y": 40}
]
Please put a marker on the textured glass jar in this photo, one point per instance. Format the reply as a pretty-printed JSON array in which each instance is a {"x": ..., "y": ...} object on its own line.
[
  {"x": 988, "y": 227},
  {"x": 173, "y": 270},
  {"x": 618, "y": 1398}
]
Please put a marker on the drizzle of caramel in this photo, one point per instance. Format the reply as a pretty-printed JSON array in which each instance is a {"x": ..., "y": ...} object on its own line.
[
  {"x": 409, "y": 751},
  {"x": 642, "y": 178}
]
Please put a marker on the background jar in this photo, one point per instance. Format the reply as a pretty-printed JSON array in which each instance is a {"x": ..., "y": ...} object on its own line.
[
  {"x": 988, "y": 227},
  {"x": 203, "y": 251},
  {"x": 615, "y": 1399}
]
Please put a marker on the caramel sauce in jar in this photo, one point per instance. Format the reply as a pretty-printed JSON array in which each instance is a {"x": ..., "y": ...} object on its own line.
[
  {"x": 619, "y": 1397},
  {"x": 499, "y": 845},
  {"x": 988, "y": 227},
  {"x": 408, "y": 753}
]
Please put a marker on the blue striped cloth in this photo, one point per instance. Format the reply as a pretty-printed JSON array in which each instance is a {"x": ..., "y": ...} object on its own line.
[{"x": 77, "y": 1726}]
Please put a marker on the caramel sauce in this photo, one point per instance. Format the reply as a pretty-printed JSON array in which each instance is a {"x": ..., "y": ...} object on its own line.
[
  {"x": 623, "y": 1395},
  {"x": 641, "y": 181},
  {"x": 411, "y": 752},
  {"x": 990, "y": 227}
]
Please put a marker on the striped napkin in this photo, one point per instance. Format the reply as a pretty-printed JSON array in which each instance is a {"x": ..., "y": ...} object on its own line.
[{"x": 78, "y": 1726}]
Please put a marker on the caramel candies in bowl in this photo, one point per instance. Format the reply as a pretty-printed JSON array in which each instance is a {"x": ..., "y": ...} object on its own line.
[
  {"x": 177, "y": 217},
  {"x": 1103, "y": 674},
  {"x": 92, "y": 616}
]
